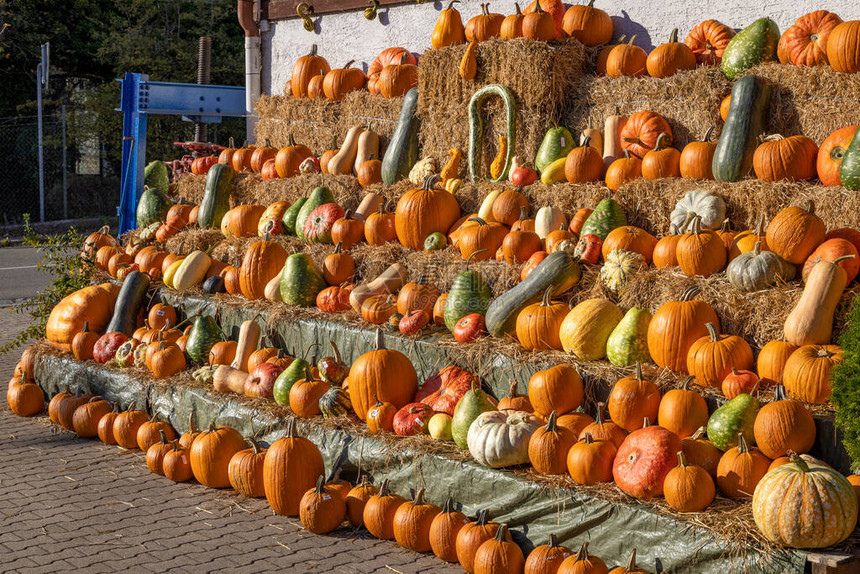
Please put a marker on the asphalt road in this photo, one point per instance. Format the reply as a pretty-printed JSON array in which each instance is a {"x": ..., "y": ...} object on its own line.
[{"x": 19, "y": 275}]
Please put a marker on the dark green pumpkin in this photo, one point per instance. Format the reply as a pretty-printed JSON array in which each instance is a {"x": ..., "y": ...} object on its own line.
[
  {"x": 287, "y": 378},
  {"x": 559, "y": 270},
  {"x": 402, "y": 151},
  {"x": 216, "y": 196},
  {"x": 850, "y": 169},
  {"x": 334, "y": 403},
  {"x": 214, "y": 284},
  {"x": 204, "y": 333},
  {"x": 755, "y": 44},
  {"x": 607, "y": 215},
  {"x": 733, "y": 157},
  {"x": 300, "y": 281},
  {"x": 152, "y": 207},
  {"x": 469, "y": 293},
  {"x": 129, "y": 302},
  {"x": 291, "y": 214}
]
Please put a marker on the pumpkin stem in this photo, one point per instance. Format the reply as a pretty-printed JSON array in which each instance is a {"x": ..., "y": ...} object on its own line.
[
  {"x": 686, "y": 382},
  {"x": 211, "y": 427},
  {"x": 130, "y": 405},
  {"x": 86, "y": 327},
  {"x": 380, "y": 340},
  {"x": 843, "y": 258},
  {"x": 231, "y": 143},
  {"x": 291, "y": 428},
  {"x": 163, "y": 436},
  {"x": 659, "y": 145},
  {"x": 524, "y": 213},
  {"x": 478, "y": 220},
  {"x": 588, "y": 439},
  {"x": 726, "y": 226},
  {"x": 430, "y": 181},
  {"x": 586, "y": 140},
  {"x": 546, "y": 302},
  {"x": 630, "y": 43},
  {"x": 708, "y": 134},
  {"x": 779, "y": 393},
  {"x": 799, "y": 462},
  {"x": 254, "y": 444},
  {"x": 483, "y": 517},
  {"x": 313, "y": 51},
  {"x": 551, "y": 425},
  {"x": 320, "y": 487},
  {"x": 502, "y": 532},
  {"x": 689, "y": 293},
  {"x": 743, "y": 448},
  {"x": 682, "y": 461},
  {"x": 338, "y": 247},
  {"x": 712, "y": 331},
  {"x": 582, "y": 555},
  {"x": 175, "y": 443},
  {"x": 553, "y": 540},
  {"x": 673, "y": 39},
  {"x": 755, "y": 387},
  {"x": 591, "y": 3},
  {"x": 627, "y": 154},
  {"x": 700, "y": 432},
  {"x": 631, "y": 563},
  {"x": 348, "y": 64},
  {"x": 419, "y": 498},
  {"x": 639, "y": 371},
  {"x": 451, "y": 4},
  {"x": 448, "y": 507},
  {"x": 646, "y": 423},
  {"x": 308, "y": 350},
  {"x": 337, "y": 356},
  {"x": 599, "y": 419},
  {"x": 809, "y": 207},
  {"x": 153, "y": 418},
  {"x": 383, "y": 488},
  {"x": 485, "y": 9},
  {"x": 757, "y": 249}
]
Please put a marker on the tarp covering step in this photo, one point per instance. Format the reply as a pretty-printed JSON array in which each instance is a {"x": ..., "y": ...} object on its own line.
[
  {"x": 532, "y": 510},
  {"x": 497, "y": 371}
]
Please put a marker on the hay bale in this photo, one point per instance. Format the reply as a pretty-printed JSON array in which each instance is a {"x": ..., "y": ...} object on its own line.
[
  {"x": 689, "y": 100},
  {"x": 314, "y": 122},
  {"x": 540, "y": 74},
  {"x": 813, "y": 101}
]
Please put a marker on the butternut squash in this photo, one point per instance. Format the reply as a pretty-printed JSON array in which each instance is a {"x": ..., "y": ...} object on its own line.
[
  {"x": 811, "y": 320},
  {"x": 612, "y": 138},
  {"x": 370, "y": 204},
  {"x": 272, "y": 292},
  {"x": 388, "y": 281},
  {"x": 485, "y": 212},
  {"x": 249, "y": 336},
  {"x": 229, "y": 380},
  {"x": 341, "y": 163},
  {"x": 191, "y": 271},
  {"x": 368, "y": 145},
  {"x": 596, "y": 140}
]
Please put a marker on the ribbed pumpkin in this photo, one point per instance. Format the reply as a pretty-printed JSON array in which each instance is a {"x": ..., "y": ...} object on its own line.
[
  {"x": 662, "y": 161},
  {"x": 499, "y": 555},
  {"x": 623, "y": 170},
  {"x": 85, "y": 419},
  {"x": 602, "y": 429},
  {"x": 444, "y": 529},
  {"x": 583, "y": 563},
  {"x": 558, "y": 389},
  {"x": 512, "y": 26},
  {"x": 339, "y": 82},
  {"x": 772, "y": 358},
  {"x": 708, "y": 40},
  {"x": 538, "y": 24},
  {"x": 633, "y": 399},
  {"x": 591, "y": 26},
  {"x": 472, "y": 536},
  {"x": 149, "y": 432},
  {"x": 641, "y": 131},
  {"x": 125, "y": 426},
  {"x": 807, "y": 372},
  {"x": 290, "y": 157},
  {"x": 507, "y": 207},
  {"x": 701, "y": 251},
  {"x": 835, "y": 249},
  {"x": 304, "y": 69},
  {"x": 583, "y": 164},
  {"x": 242, "y": 220},
  {"x": 804, "y": 505},
  {"x": 379, "y": 511},
  {"x": 711, "y": 358},
  {"x": 155, "y": 455},
  {"x": 740, "y": 469},
  {"x": 417, "y": 295},
  {"x": 291, "y": 467},
  {"x": 176, "y": 464},
  {"x": 105, "y": 426},
  {"x": 82, "y": 343},
  {"x": 518, "y": 246},
  {"x": 245, "y": 470},
  {"x": 379, "y": 228},
  {"x": 538, "y": 324},
  {"x": 666, "y": 59},
  {"x": 382, "y": 375},
  {"x": 263, "y": 260},
  {"x": 484, "y": 26},
  {"x": 548, "y": 447},
  {"x": 665, "y": 251},
  {"x": 784, "y": 425},
  {"x": 589, "y": 461},
  {"x": 348, "y": 230},
  {"x": 644, "y": 459},
  {"x": 305, "y": 395},
  {"x": 806, "y": 40},
  {"x": 210, "y": 455},
  {"x": 630, "y": 238},
  {"x": 546, "y": 558},
  {"x": 688, "y": 488},
  {"x": 780, "y": 158},
  {"x": 701, "y": 452},
  {"x": 745, "y": 241},
  {"x": 676, "y": 326},
  {"x": 795, "y": 233},
  {"x": 356, "y": 499},
  {"x": 683, "y": 410},
  {"x": 398, "y": 77},
  {"x": 422, "y": 211},
  {"x": 627, "y": 60},
  {"x": 412, "y": 522},
  {"x": 738, "y": 382}
]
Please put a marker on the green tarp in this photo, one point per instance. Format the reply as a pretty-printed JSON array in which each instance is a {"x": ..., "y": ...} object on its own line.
[{"x": 532, "y": 510}]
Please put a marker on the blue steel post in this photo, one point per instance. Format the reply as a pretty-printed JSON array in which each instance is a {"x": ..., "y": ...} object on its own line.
[{"x": 133, "y": 150}]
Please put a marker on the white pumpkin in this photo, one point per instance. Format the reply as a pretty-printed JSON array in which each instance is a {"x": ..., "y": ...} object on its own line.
[
  {"x": 501, "y": 438},
  {"x": 709, "y": 206},
  {"x": 549, "y": 219}
]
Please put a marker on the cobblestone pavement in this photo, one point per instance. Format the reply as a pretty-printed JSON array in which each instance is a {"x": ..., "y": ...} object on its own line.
[{"x": 70, "y": 503}]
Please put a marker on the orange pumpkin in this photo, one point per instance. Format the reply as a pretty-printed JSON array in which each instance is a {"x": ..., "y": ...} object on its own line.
[
  {"x": 591, "y": 26},
  {"x": 627, "y": 60},
  {"x": 641, "y": 131},
  {"x": 339, "y": 82},
  {"x": 632, "y": 400},
  {"x": 795, "y": 233},
  {"x": 701, "y": 251},
  {"x": 304, "y": 70},
  {"x": 829, "y": 159},
  {"x": 843, "y": 47},
  {"x": 711, "y": 358},
  {"x": 708, "y": 40},
  {"x": 623, "y": 170},
  {"x": 484, "y": 26},
  {"x": 630, "y": 238},
  {"x": 740, "y": 469},
  {"x": 779, "y": 158},
  {"x": 806, "y": 41},
  {"x": 666, "y": 59}
]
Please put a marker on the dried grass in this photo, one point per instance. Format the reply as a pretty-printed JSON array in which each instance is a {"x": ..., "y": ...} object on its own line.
[
  {"x": 689, "y": 100},
  {"x": 314, "y": 122},
  {"x": 540, "y": 74}
]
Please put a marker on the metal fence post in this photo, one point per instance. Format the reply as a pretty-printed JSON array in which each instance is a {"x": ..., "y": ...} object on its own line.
[
  {"x": 39, "y": 129},
  {"x": 65, "y": 188}
]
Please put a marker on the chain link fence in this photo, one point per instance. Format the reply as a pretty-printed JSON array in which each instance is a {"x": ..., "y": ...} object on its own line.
[{"x": 78, "y": 182}]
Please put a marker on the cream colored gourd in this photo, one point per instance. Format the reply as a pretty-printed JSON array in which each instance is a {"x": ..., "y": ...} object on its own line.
[
  {"x": 370, "y": 204},
  {"x": 249, "y": 336},
  {"x": 368, "y": 145},
  {"x": 229, "y": 380},
  {"x": 595, "y": 139},
  {"x": 341, "y": 163},
  {"x": 549, "y": 219},
  {"x": 272, "y": 292},
  {"x": 612, "y": 141},
  {"x": 485, "y": 212},
  {"x": 171, "y": 272},
  {"x": 389, "y": 281},
  {"x": 191, "y": 271},
  {"x": 811, "y": 320}
]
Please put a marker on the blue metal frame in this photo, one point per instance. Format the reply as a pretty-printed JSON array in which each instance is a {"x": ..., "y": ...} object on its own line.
[{"x": 140, "y": 97}]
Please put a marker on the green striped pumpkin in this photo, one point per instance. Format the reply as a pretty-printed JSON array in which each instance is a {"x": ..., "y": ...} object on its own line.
[{"x": 334, "y": 403}]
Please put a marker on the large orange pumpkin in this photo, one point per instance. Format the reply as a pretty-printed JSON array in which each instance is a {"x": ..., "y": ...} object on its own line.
[
  {"x": 627, "y": 60},
  {"x": 306, "y": 68},
  {"x": 708, "y": 40},
  {"x": 291, "y": 468},
  {"x": 668, "y": 58},
  {"x": 423, "y": 211},
  {"x": 641, "y": 131},
  {"x": 795, "y": 232},
  {"x": 644, "y": 459},
  {"x": 806, "y": 41},
  {"x": 92, "y": 305},
  {"x": 210, "y": 455},
  {"x": 780, "y": 158},
  {"x": 386, "y": 57},
  {"x": 383, "y": 375},
  {"x": 591, "y": 26},
  {"x": 829, "y": 160},
  {"x": 289, "y": 158},
  {"x": 263, "y": 260},
  {"x": 807, "y": 372},
  {"x": 676, "y": 326},
  {"x": 711, "y": 358},
  {"x": 338, "y": 83},
  {"x": 843, "y": 47}
]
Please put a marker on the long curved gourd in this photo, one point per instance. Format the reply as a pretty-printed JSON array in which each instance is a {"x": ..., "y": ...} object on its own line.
[
  {"x": 733, "y": 156},
  {"x": 402, "y": 151},
  {"x": 476, "y": 128}
]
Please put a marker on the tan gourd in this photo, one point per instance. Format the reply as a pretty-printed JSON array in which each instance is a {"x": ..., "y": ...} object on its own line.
[
  {"x": 811, "y": 320},
  {"x": 595, "y": 141},
  {"x": 272, "y": 292},
  {"x": 191, "y": 271},
  {"x": 368, "y": 145},
  {"x": 612, "y": 142},
  {"x": 388, "y": 281},
  {"x": 342, "y": 162},
  {"x": 229, "y": 380},
  {"x": 485, "y": 212},
  {"x": 370, "y": 204},
  {"x": 249, "y": 336}
]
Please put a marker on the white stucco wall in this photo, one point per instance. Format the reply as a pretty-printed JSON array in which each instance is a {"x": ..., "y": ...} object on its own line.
[{"x": 346, "y": 36}]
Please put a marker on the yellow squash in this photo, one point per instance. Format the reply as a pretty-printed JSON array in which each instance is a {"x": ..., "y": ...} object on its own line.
[
  {"x": 191, "y": 271},
  {"x": 586, "y": 329}
]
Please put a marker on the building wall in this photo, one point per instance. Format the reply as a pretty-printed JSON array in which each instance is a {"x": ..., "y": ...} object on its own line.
[{"x": 347, "y": 36}]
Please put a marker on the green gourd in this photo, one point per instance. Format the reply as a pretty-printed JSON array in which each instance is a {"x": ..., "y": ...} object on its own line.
[
  {"x": 607, "y": 215},
  {"x": 849, "y": 171},
  {"x": 556, "y": 144},
  {"x": 402, "y": 151},
  {"x": 300, "y": 281},
  {"x": 628, "y": 342},
  {"x": 476, "y": 129},
  {"x": 319, "y": 196},
  {"x": 733, "y": 157},
  {"x": 291, "y": 214},
  {"x": 469, "y": 293},
  {"x": 204, "y": 333},
  {"x": 152, "y": 207},
  {"x": 468, "y": 408},
  {"x": 737, "y": 415},
  {"x": 216, "y": 196},
  {"x": 755, "y": 44},
  {"x": 288, "y": 377}
]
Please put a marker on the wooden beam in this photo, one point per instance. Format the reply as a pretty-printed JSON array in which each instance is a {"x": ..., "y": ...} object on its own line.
[
  {"x": 832, "y": 563},
  {"x": 286, "y": 9}
]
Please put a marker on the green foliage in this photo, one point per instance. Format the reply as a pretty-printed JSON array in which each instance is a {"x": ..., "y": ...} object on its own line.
[
  {"x": 62, "y": 262},
  {"x": 845, "y": 380}
]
